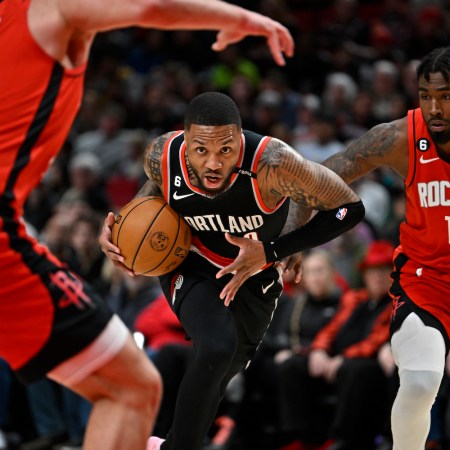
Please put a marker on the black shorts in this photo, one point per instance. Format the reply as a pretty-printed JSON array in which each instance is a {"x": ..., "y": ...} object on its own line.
[
  {"x": 252, "y": 307},
  {"x": 67, "y": 315}
]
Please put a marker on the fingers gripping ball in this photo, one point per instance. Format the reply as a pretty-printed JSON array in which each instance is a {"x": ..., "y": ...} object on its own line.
[{"x": 151, "y": 236}]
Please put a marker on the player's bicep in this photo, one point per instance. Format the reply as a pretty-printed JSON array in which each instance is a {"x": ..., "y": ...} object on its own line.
[
  {"x": 379, "y": 147},
  {"x": 284, "y": 172}
]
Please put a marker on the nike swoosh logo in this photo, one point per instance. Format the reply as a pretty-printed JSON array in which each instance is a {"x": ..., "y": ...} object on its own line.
[
  {"x": 426, "y": 161},
  {"x": 179, "y": 197},
  {"x": 265, "y": 289}
]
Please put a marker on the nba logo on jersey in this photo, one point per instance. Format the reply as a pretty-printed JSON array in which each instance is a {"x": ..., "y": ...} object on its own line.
[{"x": 341, "y": 213}]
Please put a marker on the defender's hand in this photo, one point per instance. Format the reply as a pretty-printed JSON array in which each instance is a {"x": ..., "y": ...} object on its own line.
[
  {"x": 278, "y": 37},
  {"x": 110, "y": 250},
  {"x": 250, "y": 259}
]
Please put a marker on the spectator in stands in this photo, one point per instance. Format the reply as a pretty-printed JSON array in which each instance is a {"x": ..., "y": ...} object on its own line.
[
  {"x": 385, "y": 89},
  {"x": 109, "y": 142},
  {"x": 59, "y": 415},
  {"x": 360, "y": 118},
  {"x": 129, "y": 296},
  {"x": 339, "y": 94},
  {"x": 303, "y": 310},
  {"x": 86, "y": 259},
  {"x": 86, "y": 183},
  {"x": 343, "y": 362},
  {"x": 325, "y": 141}
]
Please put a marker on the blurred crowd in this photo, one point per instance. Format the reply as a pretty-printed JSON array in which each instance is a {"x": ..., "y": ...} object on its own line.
[{"x": 354, "y": 67}]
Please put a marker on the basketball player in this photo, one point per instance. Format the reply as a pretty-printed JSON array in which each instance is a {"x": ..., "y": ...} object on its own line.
[
  {"x": 417, "y": 147},
  {"x": 233, "y": 188},
  {"x": 51, "y": 322}
]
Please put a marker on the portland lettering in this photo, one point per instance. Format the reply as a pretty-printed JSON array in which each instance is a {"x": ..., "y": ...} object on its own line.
[{"x": 225, "y": 224}]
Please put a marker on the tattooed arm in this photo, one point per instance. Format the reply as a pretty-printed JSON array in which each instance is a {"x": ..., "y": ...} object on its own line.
[
  {"x": 152, "y": 166},
  {"x": 282, "y": 172},
  {"x": 385, "y": 145}
]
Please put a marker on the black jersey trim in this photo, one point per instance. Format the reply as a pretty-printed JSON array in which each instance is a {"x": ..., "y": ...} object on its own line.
[{"x": 7, "y": 212}]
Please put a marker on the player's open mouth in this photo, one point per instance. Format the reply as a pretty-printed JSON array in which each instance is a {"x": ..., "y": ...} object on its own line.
[{"x": 212, "y": 181}]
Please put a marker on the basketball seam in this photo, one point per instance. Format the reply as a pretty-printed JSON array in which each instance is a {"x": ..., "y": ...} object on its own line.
[
  {"x": 145, "y": 235},
  {"x": 170, "y": 251},
  {"x": 147, "y": 199}
]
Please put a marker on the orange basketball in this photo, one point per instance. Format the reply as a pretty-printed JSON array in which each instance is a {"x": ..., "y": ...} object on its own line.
[{"x": 151, "y": 236}]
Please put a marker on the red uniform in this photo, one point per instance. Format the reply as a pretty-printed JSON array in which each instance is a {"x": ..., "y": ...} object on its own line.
[
  {"x": 423, "y": 259},
  {"x": 38, "y": 102}
]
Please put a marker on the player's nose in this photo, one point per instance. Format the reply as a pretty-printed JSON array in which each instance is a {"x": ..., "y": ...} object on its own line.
[
  {"x": 214, "y": 163},
  {"x": 436, "y": 109}
]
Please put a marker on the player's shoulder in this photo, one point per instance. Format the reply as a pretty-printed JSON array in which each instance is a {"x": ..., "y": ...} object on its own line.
[
  {"x": 275, "y": 145},
  {"x": 275, "y": 153},
  {"x": 157, "y": 145},
  {"x": 401, "y": 127},
  {"x": 399, "y": 130},
  {"x": 388, "y": 137},
  {"x": 397, "y": 127}
]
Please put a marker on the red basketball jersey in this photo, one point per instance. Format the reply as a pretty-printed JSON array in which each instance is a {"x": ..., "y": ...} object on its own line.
[
  {"x": 38, "y": 103},
  {"x": 425, "y": 234},
  {"x": 37, "y": 107}
]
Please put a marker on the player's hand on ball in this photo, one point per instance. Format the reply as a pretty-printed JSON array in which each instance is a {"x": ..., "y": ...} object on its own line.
[
  {"x": 108, "y": 248},
  {"x": 250, "y": 259}
]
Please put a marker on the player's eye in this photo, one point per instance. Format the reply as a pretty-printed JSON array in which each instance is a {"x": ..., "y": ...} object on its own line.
[
  {"x": 200, "y": 150},
  {"x": 226, "y": 150}
]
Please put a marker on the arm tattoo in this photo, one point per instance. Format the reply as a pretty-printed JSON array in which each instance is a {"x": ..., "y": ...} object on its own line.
[
  {"x": 366, "y": 153},
  {"x": 269, "y": 164},
  {"x": 153, "y": 157},
  {"x": 283, "y": 171},
  {"x": 277, "y": 158}
]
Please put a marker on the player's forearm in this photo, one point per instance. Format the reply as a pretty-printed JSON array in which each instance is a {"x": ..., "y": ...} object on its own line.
[
  {"x": 322, "y": 228},
  {"x": 193, "y": 14},
  {"x": 102, "y": 15}
]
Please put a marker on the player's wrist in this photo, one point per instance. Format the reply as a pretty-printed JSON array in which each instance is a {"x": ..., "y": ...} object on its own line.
[{"x": 270, "y": 252}]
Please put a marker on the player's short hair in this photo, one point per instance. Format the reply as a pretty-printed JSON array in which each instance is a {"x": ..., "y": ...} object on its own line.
[
  {"x": 212, "y": 109},
  {"x": 437, "y": 60}
]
